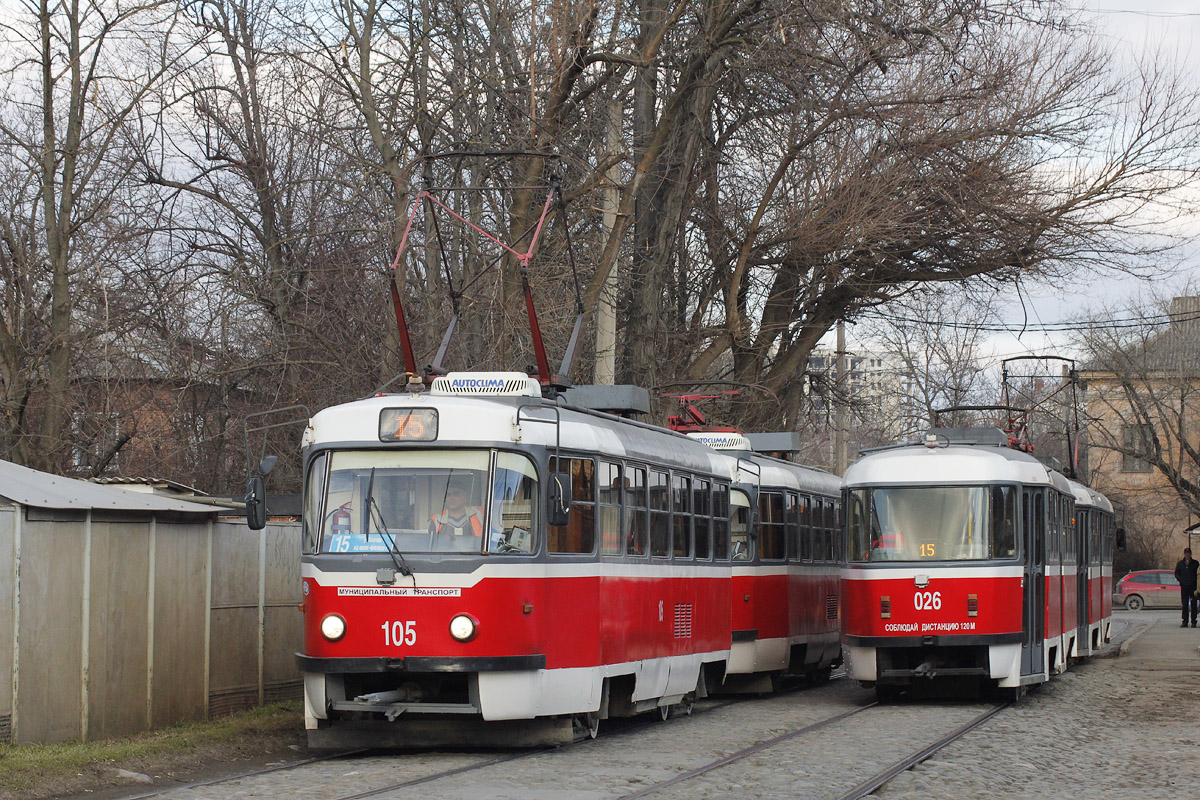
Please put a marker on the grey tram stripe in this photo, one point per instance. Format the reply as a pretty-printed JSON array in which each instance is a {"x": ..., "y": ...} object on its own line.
[{"x": 882, "y": 777}]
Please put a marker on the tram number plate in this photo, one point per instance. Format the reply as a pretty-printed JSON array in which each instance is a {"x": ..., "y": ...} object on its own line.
[
  {"x": 397, "y": 634},
  {"x": 928, "y": 601}
]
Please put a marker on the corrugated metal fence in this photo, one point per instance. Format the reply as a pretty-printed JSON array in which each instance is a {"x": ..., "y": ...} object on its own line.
[{"x": 114, "y": 624}]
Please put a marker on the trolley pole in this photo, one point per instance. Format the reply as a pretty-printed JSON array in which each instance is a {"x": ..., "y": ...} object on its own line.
[{"x": 840, "y": 400}]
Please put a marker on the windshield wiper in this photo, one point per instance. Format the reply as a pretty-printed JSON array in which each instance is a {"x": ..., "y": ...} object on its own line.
[{"x": 375, "y": 515}]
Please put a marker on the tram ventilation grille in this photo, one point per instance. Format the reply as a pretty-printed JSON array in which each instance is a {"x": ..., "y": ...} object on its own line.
[
  {"x": 683, "y": 620},
  {"x": 831, "y": 609}
]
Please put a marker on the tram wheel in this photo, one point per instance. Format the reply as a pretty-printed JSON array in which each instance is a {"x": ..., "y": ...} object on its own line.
[
  {"x": 822, "y": 675},
  {"x": 664, "y": 712},
  {"x": 887, "y": 693},
  {"x": 587, "y": 726}
]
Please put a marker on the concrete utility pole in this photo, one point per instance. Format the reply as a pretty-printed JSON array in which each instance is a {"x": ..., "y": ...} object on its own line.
[
  {"x": 606, "y": 310},
  {"x": 840, "y": 401}
]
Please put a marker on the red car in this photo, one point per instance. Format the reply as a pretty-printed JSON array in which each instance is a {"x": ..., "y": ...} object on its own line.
[{"x": 1152, "y": 588}]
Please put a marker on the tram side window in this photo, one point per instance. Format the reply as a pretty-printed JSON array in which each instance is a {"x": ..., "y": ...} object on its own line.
[
  {"x": 1004, "y": 521},
  {"x": 609, "y": 510},
  {"x": 702, "y": 511},
  {"x": 1039, "y": 524},
  {"x": 1110, "y": 539},
  {"x": 660, "y": 514},
  {"x": 830, "y": 507},
  {"x": 514, "y": 498},
  {"x": 792, "y": 525},
  {"x": 720, "y": 522},
  {"x": 1095, "y": 524},
  {"x": 858, "y": 527},
  {"x": 313, "y": 495},
  {"x": 636, "y": 521},
  {"x": 579, "y": 534},
  {"x": 804, "y": 509},
  {"x": 681, "y": 501},
  {"x": 772, "y": 541},
  {"x": 1071, "y": 530},
  {"x": 741, "y": 545}
]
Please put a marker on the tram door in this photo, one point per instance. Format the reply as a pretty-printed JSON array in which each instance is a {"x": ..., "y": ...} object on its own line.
[
  {"x": 1083, "y": 559},
  {"x": 1033, "y": 524}
]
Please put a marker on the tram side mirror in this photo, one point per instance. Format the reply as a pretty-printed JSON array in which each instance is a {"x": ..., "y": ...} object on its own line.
[
  {"x": 1120, "y": 540},
  {"x": 256, "y": 503},
  {"x": 560, "y": 499}
]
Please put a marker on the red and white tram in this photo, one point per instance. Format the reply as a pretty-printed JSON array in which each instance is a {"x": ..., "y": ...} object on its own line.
[
  {"x": 486, "y": 566},
  {"x": 786, "y": 568},
  {"x": 967, "y": 558}
]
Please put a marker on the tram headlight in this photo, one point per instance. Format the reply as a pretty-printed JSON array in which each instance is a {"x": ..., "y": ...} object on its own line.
[
  {"x": 462, "y": 627},
  {"x": 333, "y": 627}
]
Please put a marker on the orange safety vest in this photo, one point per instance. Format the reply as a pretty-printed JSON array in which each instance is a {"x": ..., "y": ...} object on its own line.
[{"x": 474, "y": 516}]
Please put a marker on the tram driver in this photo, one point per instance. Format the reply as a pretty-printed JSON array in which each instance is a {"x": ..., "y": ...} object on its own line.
[{"x": 459, "y": 525}]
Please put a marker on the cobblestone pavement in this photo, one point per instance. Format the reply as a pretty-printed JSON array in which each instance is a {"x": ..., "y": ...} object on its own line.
[{"x": 1111, "y": 726}]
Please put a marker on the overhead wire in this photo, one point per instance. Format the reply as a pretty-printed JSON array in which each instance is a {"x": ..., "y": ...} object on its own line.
[{"x": 1049, "y": 327}]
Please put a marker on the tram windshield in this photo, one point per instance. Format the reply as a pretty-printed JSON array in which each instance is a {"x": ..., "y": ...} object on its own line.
[
  {"x": 933, "y": 523},
  {"x": 432, "y": 501}
]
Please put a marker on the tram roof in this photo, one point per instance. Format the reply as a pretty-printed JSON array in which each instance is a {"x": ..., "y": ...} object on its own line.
[
  {"x": 489, "y": 421},
  {"x": 786, "y": 474},
  {"x": 1087, "y": 496},
  {"x": 956, "y": 464}
]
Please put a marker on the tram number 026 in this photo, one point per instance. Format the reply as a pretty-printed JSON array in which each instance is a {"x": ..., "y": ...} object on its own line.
[
  {"x": 928, "y": 601},
  {"x": 396, "y": 634}
]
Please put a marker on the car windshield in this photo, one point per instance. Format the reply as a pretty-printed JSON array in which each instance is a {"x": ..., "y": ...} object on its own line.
[
  {"x": 932, "y": 523},
  {"x": 431, "y": 501}
]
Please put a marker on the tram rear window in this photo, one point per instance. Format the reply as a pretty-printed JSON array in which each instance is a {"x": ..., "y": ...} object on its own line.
[{"x": 933, "y": 523}]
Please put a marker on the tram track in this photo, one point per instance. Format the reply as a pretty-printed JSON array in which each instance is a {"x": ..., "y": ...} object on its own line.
[
  {"x": 861, "y": 790},
  {"x": 877, "y": 780},
  {"x": 749, "y": 751},
  {"x": 633, "y": 726}
]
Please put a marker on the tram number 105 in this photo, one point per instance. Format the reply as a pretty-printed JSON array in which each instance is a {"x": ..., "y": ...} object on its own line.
[
  {"x": 396, "y": 634},
  {"x": 928, "y": 601}
]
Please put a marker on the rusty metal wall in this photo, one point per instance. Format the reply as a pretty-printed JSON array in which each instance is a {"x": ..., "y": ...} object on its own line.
[
  {"x": 233, "y": 683},
  {"x": 117, "y": 663},
  {"x": 180, "y": 586},
  {"x": 183, "y": 620},
  {"x": 8, "y": 531},
  {"x": 49, "y": 641},
  {"x": 283, "y": 629}
]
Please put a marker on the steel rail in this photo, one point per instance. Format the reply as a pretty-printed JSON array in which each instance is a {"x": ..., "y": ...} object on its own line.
[
  {"x": 740, "y": 754},
  {"x": 635, "y": 726},
  {"x": 247, "y": 774},
  {"x": 883, "y": 776}
]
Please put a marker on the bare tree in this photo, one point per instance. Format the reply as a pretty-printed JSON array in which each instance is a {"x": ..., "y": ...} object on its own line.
[
  {"x": 78, "y": 76},
  {"x": 1143, "y": 403}
]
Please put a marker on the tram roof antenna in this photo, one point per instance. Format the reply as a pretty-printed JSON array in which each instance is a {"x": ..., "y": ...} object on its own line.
[
  {"x": 414, "y": 379},
  {"x": 1014, "y": 431},
  {"x": 1072, "y": 376},
  {"x": 690, "y": 420}
]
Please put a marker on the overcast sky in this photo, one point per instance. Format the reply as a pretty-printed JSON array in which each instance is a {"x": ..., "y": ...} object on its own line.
[{"x": 1136, "y": 27}]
